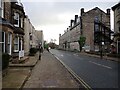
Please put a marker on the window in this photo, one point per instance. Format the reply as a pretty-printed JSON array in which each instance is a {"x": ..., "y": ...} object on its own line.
[
  {"x": 2, "y": 41},
  {"x": 96, "y": 19},
  {"x": 96, "y": 27},
  {"x": 1, "y": 8},
  {"x": 9, "y": 42},
  {"x": 30, "y": 37},
  {"x": 16, "y": 19},
  {"x": 21, "y": 22},
  {"x": 16, "y": 44}
]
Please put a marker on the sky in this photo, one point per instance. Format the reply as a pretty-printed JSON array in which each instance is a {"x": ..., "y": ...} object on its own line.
[{"x": 53, "y": 16}]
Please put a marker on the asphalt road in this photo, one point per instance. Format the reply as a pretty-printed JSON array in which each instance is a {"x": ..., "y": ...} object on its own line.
[{"x": 95, "y": 72}]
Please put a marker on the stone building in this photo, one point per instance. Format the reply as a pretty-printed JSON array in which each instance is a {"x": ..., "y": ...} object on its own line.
[
  {"x": 6, "y": 28},
  {"x": 17, "y": 19},
  {"x": 39, "y": 37},
  {"x": 95, "y": 26},
  {"x": 92, "y": 24},
  {"x": 116, "y": 10},
  {"x": 12, "y": 27},
  {"x": 28, "y": 34},
  {"x": 30, "y": 38}
]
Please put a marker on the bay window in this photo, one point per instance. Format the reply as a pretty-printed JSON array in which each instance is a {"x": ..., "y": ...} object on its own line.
[
  {"x": 2, "y": 8},
  {"x": 16, "y": 19},
  {"x": 9, "y": 43},
  {"x": 16, "y": 44},
  {"x": 2, "y": 41}
]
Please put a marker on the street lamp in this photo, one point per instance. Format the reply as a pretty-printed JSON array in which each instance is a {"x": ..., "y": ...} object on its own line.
[{"x": 40, "y": 51}]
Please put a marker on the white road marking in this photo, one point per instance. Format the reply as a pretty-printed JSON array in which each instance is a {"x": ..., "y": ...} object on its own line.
[
  {"x": 100, "y": 65},
  {"x": 62, "y": 55},
  {"x": 75, "y": 54}
]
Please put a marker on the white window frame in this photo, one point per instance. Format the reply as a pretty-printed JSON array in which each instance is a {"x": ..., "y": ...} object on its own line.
[
  {"x": 10, "y": 43},
  {"x": 0, "y": 3},
  {"x": 16, "y": 17},
  {"x": 16, "y": 43},
  {"x": 3, "y": 42},
  {"x": 21, "y": 22},
  {"x": 2, "y": 8}
]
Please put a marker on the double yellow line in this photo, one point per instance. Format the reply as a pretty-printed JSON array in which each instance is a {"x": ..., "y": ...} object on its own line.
[{"x": 81, "y": 81}]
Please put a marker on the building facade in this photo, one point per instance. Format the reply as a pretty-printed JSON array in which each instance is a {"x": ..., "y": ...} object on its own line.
[
  {"x": 89, "y": 24},
  {"x": 6, "y": 28},
  {"x": 39, "y": 37},
  {"x": 69, "y": 40},
  {"x": 96, "y": 24},
  {"x": 12, "y": 27},
  {"x": 116, "y": 10},
  {"x": 17, "y": 19}
]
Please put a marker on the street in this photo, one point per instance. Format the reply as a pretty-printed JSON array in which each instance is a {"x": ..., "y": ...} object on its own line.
[{"x": 95, "y": 72}]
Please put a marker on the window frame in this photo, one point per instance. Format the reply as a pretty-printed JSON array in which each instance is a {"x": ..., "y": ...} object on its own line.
[
  {"x": 16, "y": 17},
  {"x": 3, "y": 42},
  {"x": 2, "y": 8},
  {"x": 16, "y": 43},
  {"x": 10, "y": 43}
]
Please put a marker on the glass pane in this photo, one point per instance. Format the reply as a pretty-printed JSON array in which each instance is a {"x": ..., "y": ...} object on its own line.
[
  {"x": 15, "y": 47},
  {"x": 8, "y": 48},
  {"x": 0, "y": 47},
  {"x": 3, "y": 47},
  {"x": 2, "y": 36},
  {"x": 16, "y": 40},
  {"x": 8, "y": 38}
]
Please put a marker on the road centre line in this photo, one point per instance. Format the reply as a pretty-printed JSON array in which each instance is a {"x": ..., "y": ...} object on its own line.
[{"x": 100, "y": 65}]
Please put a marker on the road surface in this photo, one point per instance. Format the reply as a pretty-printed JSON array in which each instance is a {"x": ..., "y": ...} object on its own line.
[{"x": 95, "y": 72}]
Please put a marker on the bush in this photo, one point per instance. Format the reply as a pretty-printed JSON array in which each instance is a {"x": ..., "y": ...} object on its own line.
[
  {"x": 33, "y": 51},
  {"x": 5, "y": 60}
]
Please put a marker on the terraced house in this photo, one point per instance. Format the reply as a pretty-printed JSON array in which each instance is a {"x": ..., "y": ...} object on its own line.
[
  {"x": 6, "y": 28},
  {"x": 116, "y": 10},
  {"x": 12, "y": 27},
  {"x": 94, "y": 25}
]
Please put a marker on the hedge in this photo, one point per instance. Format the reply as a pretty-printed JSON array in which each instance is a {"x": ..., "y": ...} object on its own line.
[
  {"x": 33, "y": 51},
  {"x": 5, "y": 60}
]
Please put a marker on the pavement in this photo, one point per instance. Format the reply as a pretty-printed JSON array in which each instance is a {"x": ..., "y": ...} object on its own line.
[
  {"x": 45, "y": 73},
  {"x": 50, "y": 73},
  {"x": 98, "y": 56},
  {"x": 17, "y": 74}
]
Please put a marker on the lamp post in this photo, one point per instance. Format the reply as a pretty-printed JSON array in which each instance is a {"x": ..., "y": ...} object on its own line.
[
  {"x": 101, "y": 56},
  {"x": 40, "y": 51}
]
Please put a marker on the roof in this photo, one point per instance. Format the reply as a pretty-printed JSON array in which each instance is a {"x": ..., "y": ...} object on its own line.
[
  {"x": 96, "y": 8},
  {"x": 5, "y": 22},
  {"x": 117, "y": 5}
]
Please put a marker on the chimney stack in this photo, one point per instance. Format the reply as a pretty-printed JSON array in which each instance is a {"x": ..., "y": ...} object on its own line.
[
  {"x": 71, "y": 23},
  {"x": 82, "y": 11},
  {"x": 108, "y": 11},
  {"x": 76, "y": 17}
]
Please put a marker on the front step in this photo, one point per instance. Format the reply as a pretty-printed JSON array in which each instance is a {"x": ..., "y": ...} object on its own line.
[{"x": 17, "y": 61}]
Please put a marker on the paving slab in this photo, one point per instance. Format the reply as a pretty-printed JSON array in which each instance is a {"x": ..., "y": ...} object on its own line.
[
  {"x": 50, "y": 73},
  {"x": 15, "y": 78}
]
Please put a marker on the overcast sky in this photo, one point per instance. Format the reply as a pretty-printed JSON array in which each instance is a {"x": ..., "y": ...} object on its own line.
[{"x": 53, "y": 16}]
